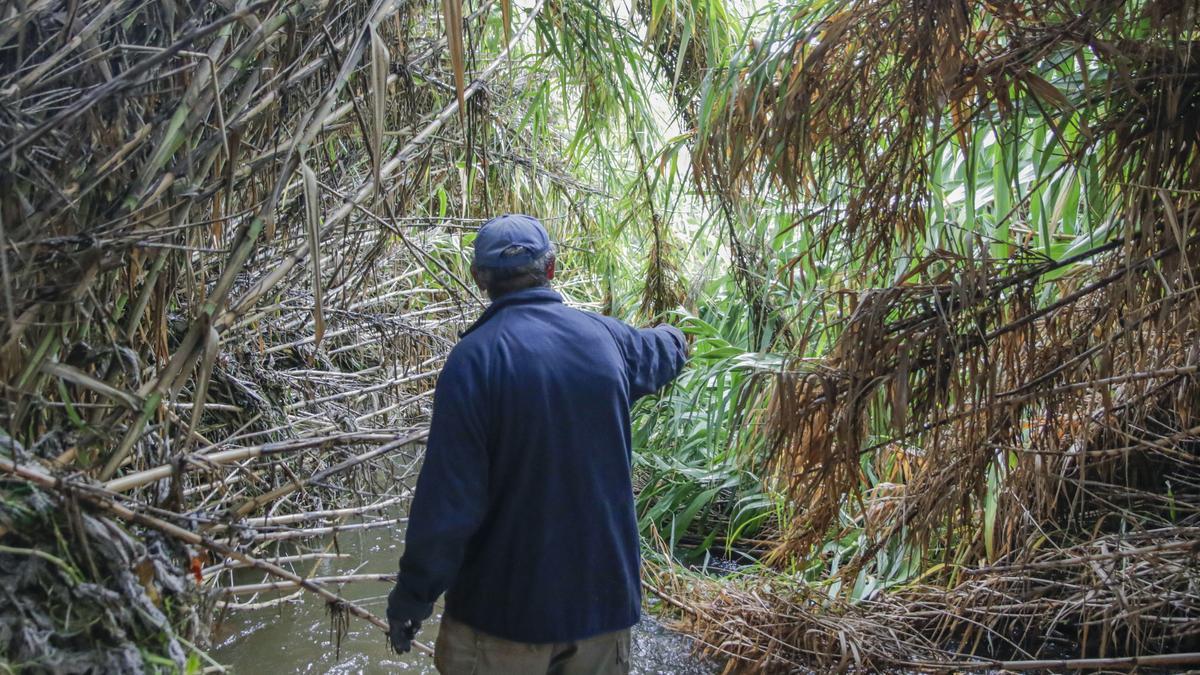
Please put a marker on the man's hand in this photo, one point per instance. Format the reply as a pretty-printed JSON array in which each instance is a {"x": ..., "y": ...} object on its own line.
[
  {"x": 687, "y": 338},
  {"x": 402, "y": 625},
  {"x": 401, "y": 634}
]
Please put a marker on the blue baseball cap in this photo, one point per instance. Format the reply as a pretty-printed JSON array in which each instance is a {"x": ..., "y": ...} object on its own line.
[{"x": 510, "y": 240}]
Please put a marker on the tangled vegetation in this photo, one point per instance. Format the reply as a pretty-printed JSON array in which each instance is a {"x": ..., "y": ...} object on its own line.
[
  {"x": 936, "y": 259},
  {"x": 979, "y": 275}
]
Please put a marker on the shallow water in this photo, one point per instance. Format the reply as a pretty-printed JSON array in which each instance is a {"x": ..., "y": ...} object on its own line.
[{"x": 296, "y": 637}]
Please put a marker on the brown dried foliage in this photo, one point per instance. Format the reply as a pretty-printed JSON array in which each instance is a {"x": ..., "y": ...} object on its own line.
[
  {"x": 213, "y": 303},
  {"x": 1084, "y": 404}
]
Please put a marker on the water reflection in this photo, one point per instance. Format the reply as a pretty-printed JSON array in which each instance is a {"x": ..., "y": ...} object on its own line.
[{"x": 295, "y": 637}]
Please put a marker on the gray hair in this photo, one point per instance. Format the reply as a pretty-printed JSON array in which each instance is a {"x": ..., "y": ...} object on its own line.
[{"x": 500, "y": 280}]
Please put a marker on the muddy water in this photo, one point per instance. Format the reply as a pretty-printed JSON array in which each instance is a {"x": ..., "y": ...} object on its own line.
[{"x": 296, "y": 638}]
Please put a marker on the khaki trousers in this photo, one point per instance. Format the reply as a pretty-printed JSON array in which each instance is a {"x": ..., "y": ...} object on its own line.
[{"x": 462, "y": 650}]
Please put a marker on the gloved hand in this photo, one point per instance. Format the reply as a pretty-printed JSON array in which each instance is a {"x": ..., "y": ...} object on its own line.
[
  {"x": 402, "y": 625},
  {"x": 401, "y": 634},
  {"x": 685, "y": 343}
]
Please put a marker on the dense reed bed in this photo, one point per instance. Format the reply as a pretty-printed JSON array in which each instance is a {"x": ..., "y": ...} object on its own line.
[
  {"x": 937, "y": 260},
  {"x": 228, "y": 289}
]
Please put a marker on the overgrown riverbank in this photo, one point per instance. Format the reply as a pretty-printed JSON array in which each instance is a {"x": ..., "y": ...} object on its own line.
[
  {"x": 937, "y": 260},
  {"x": 83, "y": 595}
]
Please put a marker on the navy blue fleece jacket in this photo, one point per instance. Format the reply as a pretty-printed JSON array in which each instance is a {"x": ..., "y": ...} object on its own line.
[{"x": 524, "y": 512}]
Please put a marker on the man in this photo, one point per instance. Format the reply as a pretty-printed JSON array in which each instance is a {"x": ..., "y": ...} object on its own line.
[{"x": 524, "y": 509}]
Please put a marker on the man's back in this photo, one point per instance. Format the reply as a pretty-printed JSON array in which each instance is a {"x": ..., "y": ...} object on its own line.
[{"x": 524, "y": 507}]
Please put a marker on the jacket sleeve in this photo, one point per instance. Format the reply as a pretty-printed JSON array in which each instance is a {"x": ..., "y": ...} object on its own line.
[
  {"x": 653, "y": 356},
  {"x": 451, "y": 495}
]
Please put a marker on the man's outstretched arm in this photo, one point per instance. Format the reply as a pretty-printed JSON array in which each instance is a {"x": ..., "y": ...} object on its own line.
[
  {"x": 451, "y": 497},
  {"x": 653, "y": 356}
]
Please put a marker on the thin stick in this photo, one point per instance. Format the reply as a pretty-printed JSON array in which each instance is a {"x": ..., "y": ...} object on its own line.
[
  {"x": 300, "y": 557},
  {"x": 135, "y": 480},
  {"x": 251, "y": 504},
  {"x": 318, "y": 531},
  {"x": 1126, "y": 662},
  {"x": 267, "y": 521},
  {"x": 288, "y": 584}
]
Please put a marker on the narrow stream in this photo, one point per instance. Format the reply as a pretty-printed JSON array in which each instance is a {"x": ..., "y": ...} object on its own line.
[{"x": 295, "y": 637}]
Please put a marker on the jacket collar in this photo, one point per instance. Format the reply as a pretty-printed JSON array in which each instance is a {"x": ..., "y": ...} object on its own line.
[{"x": 528, "y": 296}]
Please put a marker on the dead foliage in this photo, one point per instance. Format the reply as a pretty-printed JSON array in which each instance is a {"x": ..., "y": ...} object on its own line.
[
  {"x": 220, "y": 319},
  {"x": 1032, "y": 419}
]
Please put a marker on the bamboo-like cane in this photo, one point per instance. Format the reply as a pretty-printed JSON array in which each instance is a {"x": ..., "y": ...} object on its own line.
[
  {"x": 306, "y": 532},
  {"x": 254, "y": 503},
  {"x": 281, "y": 560},
  {"x": 268, "y": 521},
  {"x": 288, "y": 584},
  {"x": 142, "y": 478},
  {"x": 401, "y": 158}
]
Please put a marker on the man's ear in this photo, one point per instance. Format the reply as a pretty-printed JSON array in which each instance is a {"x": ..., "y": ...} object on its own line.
[{"x": 550, "y": 269}]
